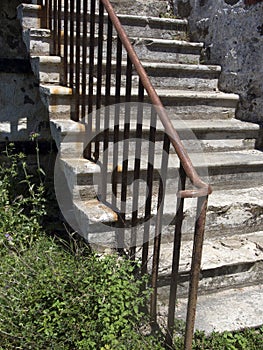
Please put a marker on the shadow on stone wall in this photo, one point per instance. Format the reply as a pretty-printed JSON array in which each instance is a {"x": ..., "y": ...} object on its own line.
[{"x": 21, "y": 109}]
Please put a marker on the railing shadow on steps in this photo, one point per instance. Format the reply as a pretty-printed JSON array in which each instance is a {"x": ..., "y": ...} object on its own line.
[{"x": 97, "y": 58}]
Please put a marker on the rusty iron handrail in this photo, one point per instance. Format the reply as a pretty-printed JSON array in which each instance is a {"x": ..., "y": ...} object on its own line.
[
  {"x": 84, "y": 97},
  {"x": 203, "y": 189}
]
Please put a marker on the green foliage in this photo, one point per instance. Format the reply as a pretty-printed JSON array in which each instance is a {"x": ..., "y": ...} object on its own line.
[
  {"x": 22, "y": 203},
  {"x": 249, "y": 339},
  {"x": 52, "y": 299}
]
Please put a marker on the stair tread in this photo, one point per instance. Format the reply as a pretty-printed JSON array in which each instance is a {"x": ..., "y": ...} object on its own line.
[
  {"x": 217, "y": 253},
  {"x": 67, "y": 126},
  {"x": 209, "y": 160},
  {"x": 148, "y": 64},
  {"x": 96, "y": 210},
  {"x": 149, "y": 19},
  {"x": 226, "y": 310},
  {"x": 48, "y": 59},
  {"x": 169, "y": 93}
]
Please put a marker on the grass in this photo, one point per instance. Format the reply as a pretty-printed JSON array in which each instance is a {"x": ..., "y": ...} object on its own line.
[{"x": 57, "y": 294}]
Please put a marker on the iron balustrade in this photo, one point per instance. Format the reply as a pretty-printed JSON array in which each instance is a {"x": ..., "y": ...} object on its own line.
[{"x": 99, "y": 64}]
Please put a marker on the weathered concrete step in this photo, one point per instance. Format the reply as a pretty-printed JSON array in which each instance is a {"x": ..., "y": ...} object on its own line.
[
  {"x": 228, "y": 310},
  {"x": 226, "y": 263},
  {"x": 196, "y": 135},
  {"x": 31, "y": 16},
  {"x": 37, "y": 41},
  {"x": 178, "y": 101},
  {"x": 230, "y": 211},
  {"x": 47, "y": 69},
  {"x": 221, "y": 169},
  {"x": 162, "y": 50},
  {"x": 150, "y": 49},
  {"x": 233, "y": 211},
  {"x": 163, "y": 75},
  {"x": 154, "y": 27},
  {"x": 150, "y": 7}
]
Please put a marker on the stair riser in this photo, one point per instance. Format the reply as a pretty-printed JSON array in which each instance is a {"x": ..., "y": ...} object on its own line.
[
  {"x": 160, "y": 53},
  {"x": 216, "y": 224},
  {"x": 47, "y": 72},
  {"x": 160, "y": 78},
  {"x": 32, "y": 17},
  {"x": 194, "y": 141},
  {"x": 220, "y": 279},
  {"x": 218, "y": 177},
  {"x": 37, "y": 44},
  {"x": 150, "y": 51},
  {"x": 184, "y": 108}
]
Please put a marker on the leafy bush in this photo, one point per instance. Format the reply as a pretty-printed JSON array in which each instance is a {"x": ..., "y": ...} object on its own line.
[
  {"x": 249, "y": 339},
  {"x": 22, "y": 203},
  {"x": 51, "y": 299}
]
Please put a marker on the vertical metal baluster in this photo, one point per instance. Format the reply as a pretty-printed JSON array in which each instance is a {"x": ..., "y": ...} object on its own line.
[
  {"x": 65, "y": 43},
  {"x": 91, "y": 74},
  {"x": 158, "y": 227},
  {"x": 99, "y": 79},
  {"x": 176, "y": 258},
  {"x": 125, "y": 151},
  {"x": 107, "y": 111},
  {"x": 91, "y": 54},
  {"x": 195, "y": 270},
  {"x": 71, "y": 44},
  {"x": 55, "y": 26},
  {"x": 59, "y": 28},
  {"x": 50, "y": 14},
  {"x": 137, "y": 166},
  {"x": 84, "y": 58},
  {"x": 148, "y": 204},
  {"x": 77, "y": 63},
  {"x": 116, "y": 123},
  {"x": 44, "y": 19}
]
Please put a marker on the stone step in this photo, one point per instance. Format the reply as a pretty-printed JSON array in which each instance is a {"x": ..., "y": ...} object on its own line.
[
  {"x": 226, "y": 263},
  {"x": 37, "y": 41},
  {"x": 232, "y": 169},
  {"x": 31, "y": 16},
  {"x": 225, "y": 310},
  {"x": 148, "y": 49},
  {"x": 162, "y": 75},
  {"x": 47, "y": 69},
  {"x": 150, "y": 7},
  {"x": 196, "y": 135},
  {"x": 179, "y": 102},
  {"x": 230, "y": 211}
]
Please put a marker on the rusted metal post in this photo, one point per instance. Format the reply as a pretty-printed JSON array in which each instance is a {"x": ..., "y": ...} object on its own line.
[
  {"x": 176, "y": 258},
  {"x": 195, "y": 270}
]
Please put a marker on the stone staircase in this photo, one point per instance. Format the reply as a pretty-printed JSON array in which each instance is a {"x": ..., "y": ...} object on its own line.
[{"x": 221, "y": 148}]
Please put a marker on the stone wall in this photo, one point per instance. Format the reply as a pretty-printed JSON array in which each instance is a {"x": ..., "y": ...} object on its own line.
[
  {"x": 21, "y": 109},
  {"x": 232, "y": 31}
]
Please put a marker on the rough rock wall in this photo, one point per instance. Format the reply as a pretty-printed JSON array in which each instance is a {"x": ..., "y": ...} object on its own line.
[
  {"x": 232, "y": 31},
  {"x": 21, "y": 109}
]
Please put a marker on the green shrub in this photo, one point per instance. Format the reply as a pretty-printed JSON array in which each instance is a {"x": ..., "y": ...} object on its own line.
[
  {"x": 22, "y": 203},
  {"x": 249, "y": 339},
  {"x": 51, "y": 299}
]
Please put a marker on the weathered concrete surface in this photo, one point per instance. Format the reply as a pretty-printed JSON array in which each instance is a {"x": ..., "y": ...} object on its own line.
[
  {"x": 21, "y": 110},
  {"x": 141, "y": 7},
  {"x": 11, "y": 42},
  {"x": 226, "y": 310},
  {"x": 233, "y": 37}
]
